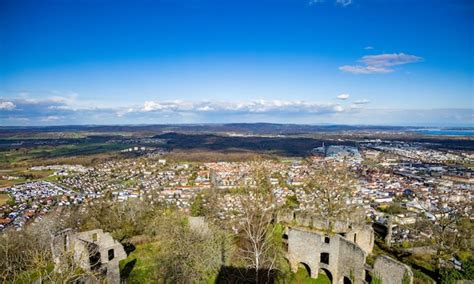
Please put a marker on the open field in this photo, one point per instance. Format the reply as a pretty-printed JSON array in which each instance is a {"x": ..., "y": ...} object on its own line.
[
  {"x": 25, "y": 157},
  {"x": 4, "y": 198},
  {"x": 24, "y": 147}
]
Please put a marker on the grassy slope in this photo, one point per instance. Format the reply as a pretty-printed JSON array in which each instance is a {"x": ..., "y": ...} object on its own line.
[{"x": 143, "y": 258}]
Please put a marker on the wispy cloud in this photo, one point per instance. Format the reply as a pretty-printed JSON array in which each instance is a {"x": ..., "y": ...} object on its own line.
[
  {"x": 369, "y": 47},
  {"x": 343, "y": 96},
  {"x": 362, "y": 102},
  {"x": 50, "y": 118},
  {"x": 344, "y": 3},
  {"x": 313, "y": 2},
  {"x": 381, "y": 63}
]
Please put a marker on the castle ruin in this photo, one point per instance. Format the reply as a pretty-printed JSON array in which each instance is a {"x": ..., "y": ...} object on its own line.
[
  {"x": 340, "y": 255},
  {"x": 94, "y": 251}
]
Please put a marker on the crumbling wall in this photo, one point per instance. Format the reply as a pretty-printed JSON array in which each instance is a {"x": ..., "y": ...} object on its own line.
[
  {"x": 321, "y": 224},
  {"x": 198, "y": 225},
  {"x": 285, "y": 216},
  {"x": 303, "y": 218},
  {"x": 362, "y": 236},
  {"x": 342, "y": 257},
  {"x": 350, "y": 262},
  {"x": 341, "y": 226},
  {"x": 302, "y": 248},
  {"x": 81, "y": 245},
  {"x": 391, "y": 271},
  {"x": 60, "y": 244}
]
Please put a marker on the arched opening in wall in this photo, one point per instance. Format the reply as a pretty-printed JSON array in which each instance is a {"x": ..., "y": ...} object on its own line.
[
  {"x": 65, "y": 241},
  {"x": 326, "y": 272},
  {"x": 285, "y": 242},
  {"x": 347, "y": 280},
  {"x": 324, "y": 258},
  {"x": 94, "y": 256},
  {"x": 368, "y": 277},
  {"x": 303, "y": 266},
  {"x": 286, "y": 264}
]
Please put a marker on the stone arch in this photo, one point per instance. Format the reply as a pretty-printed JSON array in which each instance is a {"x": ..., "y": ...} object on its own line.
[
  {"x": 327, "y": 272},
  {"x": 368, "y": 276},
  {"x": 306, "y": 267},
  {"x": 286, "y": 263},
  {"x": 346, "y": 280},
  {"x": 95, "y": 259}
]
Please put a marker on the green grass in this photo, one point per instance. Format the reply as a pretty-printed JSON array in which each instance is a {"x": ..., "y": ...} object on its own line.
[
  {"x": 37, "y": 155},
  {"x": 4, "y": 197},
  {"x": 140, "y": 265},
  {"x": 302, "y": 277},
  {"x": 8, "y": 183},
  {"x": 144, "y": 257},
  {"x": 25, "y": 175},
  {"x": 30, "y": 276}
]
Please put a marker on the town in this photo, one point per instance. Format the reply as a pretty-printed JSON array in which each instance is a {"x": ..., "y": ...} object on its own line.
[{"x": 398, "y": 175}]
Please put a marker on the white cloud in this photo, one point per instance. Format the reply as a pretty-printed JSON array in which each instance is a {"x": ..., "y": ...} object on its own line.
[
  {"x": 369, "y": 47},
  {"x": 344, "y": 3},
  {"x": 362, "y": 102},
  {"x": 359, "y": 69},
  {"x": 380, "y": 63},
  {"x": 390, "y": 59},
  {"x": 56, "y": 112},
  {"x": 343, "y": 96},
  {"x": 50, "y": 118},
  {"x": 7, "y": 105},
  {"x": 250, "y": 107},
  {"x": 313, "y": 2}
]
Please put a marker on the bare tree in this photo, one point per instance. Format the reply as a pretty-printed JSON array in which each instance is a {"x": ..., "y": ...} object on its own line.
[
  {"x": 330, "y": 188},
  {"x": 70, "y": 269},
  {"x": 449, "y": 227},
  {"x": 258, "y": 248},
  {"x": 26, "y": 254},
  {"x": 187, "y": 255}
]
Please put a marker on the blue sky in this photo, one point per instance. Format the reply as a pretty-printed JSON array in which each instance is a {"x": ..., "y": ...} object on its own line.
[{"x": 379, "y": 62}]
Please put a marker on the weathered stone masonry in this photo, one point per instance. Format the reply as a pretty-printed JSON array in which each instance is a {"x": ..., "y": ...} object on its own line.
[
  {"x": 342, "y": 255},
  {"x": 93, "y": 250}
]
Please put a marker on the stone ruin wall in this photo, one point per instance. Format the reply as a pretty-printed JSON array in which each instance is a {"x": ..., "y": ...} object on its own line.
[
  {"x": 347, "y": 250},
  {"x": 350, "y": 262},
  {"x": 346, "y": 259},
  {"x": 300, "y": 250},
  {"x": 78, "y": 244},
  {"x": 363, "y": 234},
  {"x": 391, "y": 271}
]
